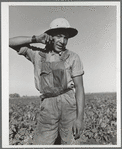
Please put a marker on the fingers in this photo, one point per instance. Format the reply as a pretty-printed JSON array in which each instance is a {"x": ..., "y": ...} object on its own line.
[
  {"x": 77, "y": 136},
  {"x": 44, "y": 38},
  {"x": 76, "y": 132},
  {"x": 48, "y": 39}
]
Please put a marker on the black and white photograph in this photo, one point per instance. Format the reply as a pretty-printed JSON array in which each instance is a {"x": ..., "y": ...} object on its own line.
[{"x": 61, "y": 74}]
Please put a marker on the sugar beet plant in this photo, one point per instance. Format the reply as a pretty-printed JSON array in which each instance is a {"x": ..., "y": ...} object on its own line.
[{"x": 100, "y": 119}]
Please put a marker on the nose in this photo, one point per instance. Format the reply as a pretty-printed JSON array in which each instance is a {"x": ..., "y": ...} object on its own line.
[{"x": 62, "y": 40}]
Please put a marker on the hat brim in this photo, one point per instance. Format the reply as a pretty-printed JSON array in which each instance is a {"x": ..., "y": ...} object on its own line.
[{"x": 70, "y": 31}]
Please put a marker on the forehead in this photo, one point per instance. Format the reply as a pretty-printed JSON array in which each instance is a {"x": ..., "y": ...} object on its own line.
[{"x": 62, "y": 34}]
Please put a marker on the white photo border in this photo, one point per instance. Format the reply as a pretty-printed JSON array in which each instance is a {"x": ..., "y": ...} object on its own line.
[{"x": 5, "y": 69}]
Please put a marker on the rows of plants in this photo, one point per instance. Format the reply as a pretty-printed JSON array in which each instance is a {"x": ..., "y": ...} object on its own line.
[{"x": 100, "y": 119}]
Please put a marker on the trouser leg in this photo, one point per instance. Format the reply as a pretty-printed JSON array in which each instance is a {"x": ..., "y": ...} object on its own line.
[
  {"x": 47, "y": 129},
  {"x": 68, "y": 116},
  {"x": 47, "y": 137},
  {"x": 67, "y": 137}
]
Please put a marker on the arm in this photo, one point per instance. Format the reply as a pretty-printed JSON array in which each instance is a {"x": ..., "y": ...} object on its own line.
[
  {"x": 20, "y": 41},
  {"x": 80, "y": 103}
]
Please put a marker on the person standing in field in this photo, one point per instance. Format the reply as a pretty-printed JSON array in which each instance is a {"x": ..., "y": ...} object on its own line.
[{"x": 58, "y": 74}]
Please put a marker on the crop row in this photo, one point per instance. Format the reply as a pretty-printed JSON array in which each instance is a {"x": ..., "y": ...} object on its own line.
[{"x": 100, "y": 119}]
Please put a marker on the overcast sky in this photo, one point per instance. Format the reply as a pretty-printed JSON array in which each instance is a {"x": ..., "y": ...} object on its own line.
[{"x": 95, "y": 44}]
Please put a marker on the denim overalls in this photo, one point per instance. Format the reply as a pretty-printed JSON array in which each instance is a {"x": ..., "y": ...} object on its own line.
[{"x": 58, "y": 106}]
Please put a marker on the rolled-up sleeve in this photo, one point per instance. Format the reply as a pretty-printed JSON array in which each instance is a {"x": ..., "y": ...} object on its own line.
[
  {"x": 27, "y": 52},
  {"x": 77, "y": 66}
]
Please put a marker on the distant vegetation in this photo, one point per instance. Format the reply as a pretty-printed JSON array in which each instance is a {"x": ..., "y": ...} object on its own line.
[
  {"x": 100, "y": 119},
  {"x": 15, "y": 95}
]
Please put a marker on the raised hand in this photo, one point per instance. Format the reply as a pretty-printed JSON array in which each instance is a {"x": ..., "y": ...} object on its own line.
[{"x": 44, "y": 38}]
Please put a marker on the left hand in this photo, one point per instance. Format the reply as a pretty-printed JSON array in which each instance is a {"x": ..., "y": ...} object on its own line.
[{"x": 77, "y": 128}]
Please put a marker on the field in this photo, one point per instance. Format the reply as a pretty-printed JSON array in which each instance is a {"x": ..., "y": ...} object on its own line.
[{"x": 100, "y": 119}]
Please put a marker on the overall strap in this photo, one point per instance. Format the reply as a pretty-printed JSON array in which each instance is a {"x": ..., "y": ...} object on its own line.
[
  {"x": 43, "y": 56},
  {"x": 65, "y": 55}
]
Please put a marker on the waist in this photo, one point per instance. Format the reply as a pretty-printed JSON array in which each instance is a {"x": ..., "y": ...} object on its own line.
[{"x": 54, "y": 94}]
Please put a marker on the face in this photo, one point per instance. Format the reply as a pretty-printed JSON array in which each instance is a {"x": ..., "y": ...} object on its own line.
[{"x": 59, "y": 42}]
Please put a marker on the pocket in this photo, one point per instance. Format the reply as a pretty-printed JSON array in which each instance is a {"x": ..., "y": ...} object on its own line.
[
  {"x": 71, "y": 98},
  {"x": 46, "y": 80},
  {"x": 59, "y": 78}
]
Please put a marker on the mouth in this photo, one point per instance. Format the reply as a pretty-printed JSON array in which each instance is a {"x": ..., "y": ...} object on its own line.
[{"x": 60, "y": 47}]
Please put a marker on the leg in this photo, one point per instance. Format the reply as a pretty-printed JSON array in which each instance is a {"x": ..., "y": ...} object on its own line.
[
  {"x": 67, "y": 136},
  {"x": 67, "y": 118},
  {"x": 47, "y": 129},
  {"x": 46, "y": 137}
]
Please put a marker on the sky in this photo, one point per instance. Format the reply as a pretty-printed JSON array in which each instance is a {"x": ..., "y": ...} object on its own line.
[{"x": 96, "y": 44}]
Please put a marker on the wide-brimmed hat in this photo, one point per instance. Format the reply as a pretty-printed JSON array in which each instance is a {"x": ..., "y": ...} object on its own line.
[{"x": 61, "y": 25}]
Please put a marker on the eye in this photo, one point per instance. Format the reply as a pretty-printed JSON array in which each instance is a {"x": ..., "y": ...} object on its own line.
[
  {"x": 58, "y": 36},
  {"x": 66, "y": 38}
]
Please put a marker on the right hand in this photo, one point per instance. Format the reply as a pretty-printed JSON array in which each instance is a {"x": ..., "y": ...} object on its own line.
[{"x": 44, "y": 38}]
